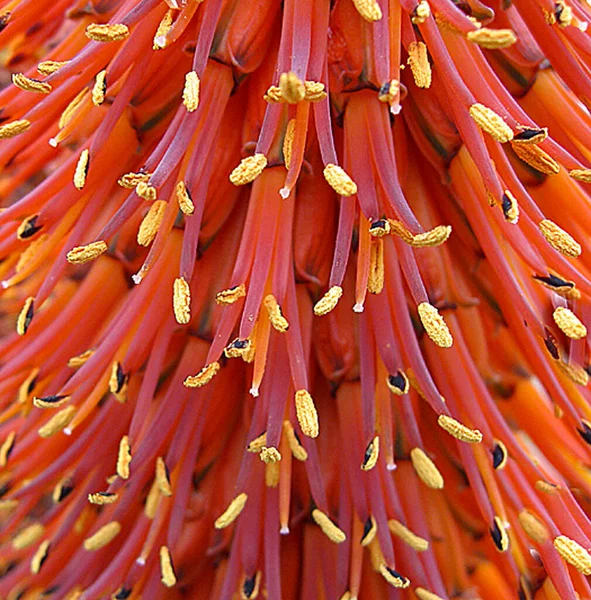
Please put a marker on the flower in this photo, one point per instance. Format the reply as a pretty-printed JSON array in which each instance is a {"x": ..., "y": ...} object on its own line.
[{"x": 294, "y": 299}]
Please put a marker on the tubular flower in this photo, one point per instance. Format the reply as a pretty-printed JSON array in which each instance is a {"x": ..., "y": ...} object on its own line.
[{"x": 295, "y": 299}]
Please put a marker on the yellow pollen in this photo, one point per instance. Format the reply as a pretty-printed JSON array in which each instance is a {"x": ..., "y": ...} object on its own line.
[
  {"x": 100, "y": 88},
  {"x": 505, "y": 455},
  {"x": 8, "y": 505},
  {"x": 25, "y": 316},
  {"x": 503, "y": 542},
  {"x": 546, "y": 487},
  {"x": 533, "y": 527},
  {"x": 131, "y": 180},
  {"x": 536, "y": 158},
  {"x": 204, "y": 376},
  {"x": 6, "y": 447},
  {"x": 511, "y": 212},
  {"x": 13, "y": 128},
  {"x": 423, "y": 594},
  {"x": 538, "y": 136},
  {"x": 191, "y": 91},
  {"x": 372, "y": 453},
  {"x": 434, "y": 325},
  {"x": 375, "y": 282},
  {"x": 314, "y": 91},
  {"x": 50, "y": 402},
  {"x": 58, "y": 491},
  {"x": 163, "y": 28},
  {"x": 184, "y": 199},
  {"x": 493, "y": 124},
  {"x": 181, "y": 301},
  {"x": 151, "y": 223},
  {"x": 393, "y": 578},
  {"x": 230, "y": 295},
  {"x": 39, "y": 556},
  {"x": 248, "y": 169},
  {"x": 162, "y": 478},
  {"x": 232, "y": 512},
  {"x": 31, "y": 85},
  {"x": 416, "y": 542},
  {"x": 332, "y": 532},
  {"x": 118, "y": 382},
  {"x": 272, "y": 474},
  {"x": 573, "y": 553},
  {"x": 559, "y": 239},
  {"x": 292, "y": 88},
  {"x": 574, "y": 373},
  {"x": 124, "y": 458},
  {"x": 563, "y": 13},
  {"x": 83, "y": 254},
  {"x": 239, "y": 348},
  {"x": 569, "y": 323},
  {"x": 379, "y": 229},
  {"x": 27, "y": 386},
  {"x": 145, "y": 191},
  {"x": 329, "y": 301},
  {"x": 339, "y": 181},
  {"x": 57, "y": 422},
  {"x": 421, "y": 13},
  {"x": 152, "y": 501},
  {"x": 428, "y": 239},
  {"x": 391, "y": 92},
  {"x": 298, "y": 451},
  {"x": 426, "y": 470},
  {"x": 107, "y": 33},
  {"x": 72, "y": 107},
  {"x": 418, "y": 60},
  {"x": 81, "y": 169},
  {"x": 258, "y": 443},
  {"x": 492, "y": 38},
  {"x": 270, "y": 455},
  {"x": 368, "y": 9},
  {"x": 48, "y": 67},
  {"x": 278, "y": 321},
  {"x": 288, "y": 142},
  {"x": 106, "y": 534},
  {"x": 78, "y": 361},
  {"x": 306, "y": 413},
  {"x": 166, "y": 568},
  {"x": 28, "y": 536},
  {"x": 273, "y": 95},
  {"x": 101, "y": 499},
  {"x": 583, "y": 175},
  {"x": 30, "y": 252},
  {"x": 459, "y": 431}
]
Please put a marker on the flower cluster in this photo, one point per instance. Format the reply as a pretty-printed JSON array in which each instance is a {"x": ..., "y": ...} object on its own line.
[{"x": 293, "y": 299}]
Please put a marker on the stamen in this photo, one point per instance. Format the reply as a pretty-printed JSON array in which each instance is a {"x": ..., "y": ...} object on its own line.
[
  {"x": 328, "y": 301},
  {"x": 232, "y": 512},
  {"x": 389, "y": 92},
  {"x": 292, "y": 88},
  {"x": 63, "y": 489},
  {"x": 118, "y": 382},
  {"x": 152, "y": 501},
  {"x": 203, "y": 377},
  {"x": 416, "y": 542},
  {"x": 131, "y": 180},
  {"x": 249, "y": 590},
  {"x": 500, "y": 455},
  {"x": 559, "y": 239},
  {"x": 57, "y": 422},
  {"x": 145, "y": 191},
  {"x": 81, "y": 169},
  {"x": 48, "y": 67},
  {"x": 9, "y": 130},
  {"x": 421, "y": 13},
  {"x": 258, "y": 443},
  {"x": 71, "y": 109},
  {"x": 563, "y": 14},
  {"x": 510, "y": 207},
  {"x": 561, "y": 286},
  {"x": 536, "y": 158},
  {"x": 163, "y": 28},
  {"x": 423, "y": 594},
  {"x": 102, "y": 498},
  {"x": 100, "y": 88},
  {"x": 314, "y": 91},
  {"x": 527, "y": 135},
  {"x": 434, "y": 237},
  {"x": 499, "y": 535},
  {"x": 379, "y": 228},
  {"x": 184, "y": 199},
  {"x": 298, "y": 451},
  {"x": 27, "y": 386},
  {"x": 181, "y": 300},
  {"x": 332, "y": 532},
  {"x": 25, "y": 316},
  {"x": 583, "y": 175},
  {"x": 229, "y": 296},
  {"x": 31, "y": 85},
  {"x": 288, "y": 142},
  {"x": 426, "y": 470},
  {"x": 533, "y": 527},
  {"x": 248, "y": 169},
  {"x": 28, "y": 536},
  {"x": 50, "y": 401},
  {"x": 573, "y": 553},
  {"x": 28, "y": 228},
  {"x": 6, "y": 448},
  {"x": 493, "y": 124},
  {"x": 393, "y": 577},
  {"x": 124, "y": 458},
  {"x": 105, "y": 535},
  {"x": 272, "y": 474},
  {"x": 372, "y": 453},
  {"x": 459, "y": 431},
  {"x": 191, "y": 91},
  {"x": 368, "y": 9},
  {"x": 375, "y": 281},
  {"x": 122, "y": 593},
  {"x": 78, "y": 361},
  {"x": 39, "y": 557},
  {"x": 270, "y": 455},
  {"x": 237, "y": 348},
  {"x": 574, "y": 373},
  {"x": 306, "y": 413},
  {"x": 163, "y": 478},
  {"x": 278, "y": 321},
  {"x": 398, "y": 384},
  {"x": 339, "y": 181},
  {"x": 418, "y": 60},
  {"x": 83, "y": 254},
  {"x": 492, "y": 38},
  {"x": 547, "y": 487},
  {"x": 569, "y": 323},
  {"x": 434, "y": 325},
  {"x": 151, "y": 223},
  {"x": 370, "y": 530},
  {"x": 107, "y": 32}
]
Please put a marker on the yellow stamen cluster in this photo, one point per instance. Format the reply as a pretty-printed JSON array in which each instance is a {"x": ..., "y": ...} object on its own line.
[
  {"x": 569, "y": 323},
  {"x": 536, "y": 158},
  {"x": 163, "y": 28},
  {"x": 459, "y": 431},
  {"x": 232, "y": 512},
  {"x": 81, "y": 169},
  {"x": 292, "y": 88},
  {"x": 426, "y": 470},
  {"x": 48, "y": 67},
  {"x": 28, "y": 536},
  {"x": 490, "y": 122},
  {"x": 417, "y": 543},
  {"x": 278, "y": 321},
  {"x": 533, "y": 527},
  {"x": 39, "y": 556},
  {"x": 105, "y": 535},
  {"x": 583, "y": 175},
  {"x": 573, "y": 553},
  {"x": 114, "y": 32},
  {"x": 288, "y": 141},
  {"x": 559, "y": 239},
  {"x": 78, "y": 361},
  {"x": 102, "y": 498},
  {"x": 393, "y": 578},
  {"x": 151, "y": 223},
  {"x": 418, "y": 60},
  {"x": 100, "y": 88},
  {"x": 131, "y": 180},
  {"x": 368, "y": 9},
  {"x": 231, "y": 295},
  {"x": 57, "y": 422},
  {"x": 25, "y": 316},
  {"x": 191, "y": 91},
  {"x": 306, "y": 413},
  {"x": 298, "y": 451},
  {"x": 181, "y": 301},
  {"x": 269, "y": 455},
  {"x": 9, "y": 130},
  {"x": 166, "y": 569},
  {"x": 203, "y": 377},
  {"x": 575, "y": 373},
  {"x": 339, "y": 181},
  {"x": 434, "y": 325},
  {"x": 332, "y": 532},
  {"x": 421, "y": 13},
  {"x": 248, "y": 169},
  {"x": 423, "y": 594},
  {"x": 375, "y": 282},
  {"x": 428, "y": 239},
  {"x": 124, "y": 458},
  {"x": 328, "y": 301},
  {"x": 492, "y": 38},
  {"x": 145, "y": 191},
  {"x": 184, "y": 199},
  {"x": 31, "y": 85},
  {"x": 162, "y": 479},
  {"x": 372, "y": 453},
  {"x": 6, "y": 447}
]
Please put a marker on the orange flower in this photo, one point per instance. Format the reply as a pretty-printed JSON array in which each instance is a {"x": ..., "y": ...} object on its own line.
[{"x": 295, "y": 299}]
